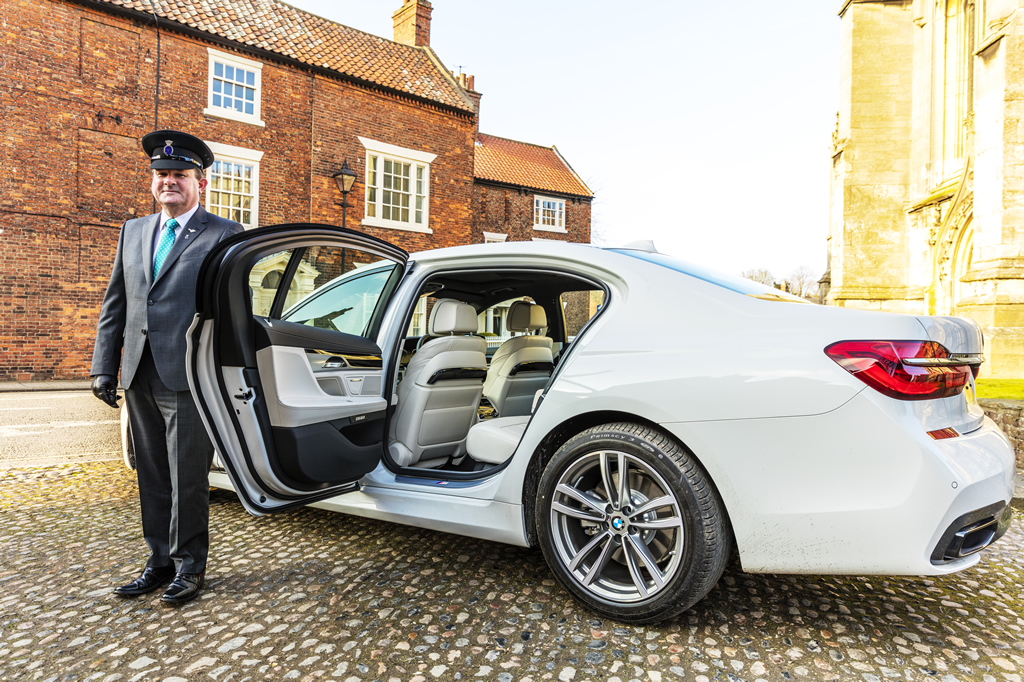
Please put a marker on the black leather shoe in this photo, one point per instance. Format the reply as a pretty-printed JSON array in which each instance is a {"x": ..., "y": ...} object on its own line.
[
  {"x": 185, "y": 587},
  {"x": 151, "y": 579}
]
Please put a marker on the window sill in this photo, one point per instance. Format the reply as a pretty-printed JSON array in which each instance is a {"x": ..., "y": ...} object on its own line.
[
  {"x": 395, "y": 225},
  {"x": 234, "y": 116},
  {"x": 548, "y": 228}
]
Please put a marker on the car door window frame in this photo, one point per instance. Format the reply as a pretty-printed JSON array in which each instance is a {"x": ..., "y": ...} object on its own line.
[{"x": 396, "y": 337}]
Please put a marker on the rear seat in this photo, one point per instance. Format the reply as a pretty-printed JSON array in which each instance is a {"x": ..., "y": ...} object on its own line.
[{"x": 493, "y": 441}]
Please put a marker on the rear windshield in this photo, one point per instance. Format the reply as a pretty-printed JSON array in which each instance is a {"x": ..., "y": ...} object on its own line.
[{"x": 739, "y": 285}]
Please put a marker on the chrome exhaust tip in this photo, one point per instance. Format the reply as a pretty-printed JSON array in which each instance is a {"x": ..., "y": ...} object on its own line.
[{"x": 972, "y": 532}]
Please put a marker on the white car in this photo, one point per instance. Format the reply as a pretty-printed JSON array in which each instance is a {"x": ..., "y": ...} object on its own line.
[{"x": 692, "y": 415}]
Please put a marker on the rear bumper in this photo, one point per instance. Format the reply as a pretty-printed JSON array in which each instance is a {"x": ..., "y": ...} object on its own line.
[
  {"x": 979, "y": 513},
  {"x": 861, "y": 490}
]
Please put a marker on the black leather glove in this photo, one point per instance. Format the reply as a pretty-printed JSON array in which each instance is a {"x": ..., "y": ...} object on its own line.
[{"x": 104, "y": 387}]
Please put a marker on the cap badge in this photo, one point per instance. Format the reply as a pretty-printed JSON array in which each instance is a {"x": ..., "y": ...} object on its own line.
[{"x": 168, "y": 149}]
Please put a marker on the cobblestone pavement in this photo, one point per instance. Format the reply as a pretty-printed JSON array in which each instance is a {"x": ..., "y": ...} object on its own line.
[{"x": 312, "y": 594}]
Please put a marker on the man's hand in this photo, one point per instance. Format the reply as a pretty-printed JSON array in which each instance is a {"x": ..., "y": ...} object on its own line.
[{"x": 104, "y": 387}]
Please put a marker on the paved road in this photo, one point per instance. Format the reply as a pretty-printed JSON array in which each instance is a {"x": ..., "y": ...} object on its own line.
[
  {"x": 311, "y": 594},
  {"x": 38, "y": 428}
]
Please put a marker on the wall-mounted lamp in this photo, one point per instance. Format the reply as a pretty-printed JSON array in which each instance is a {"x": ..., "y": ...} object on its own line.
[{"x": 345, "y": 179}]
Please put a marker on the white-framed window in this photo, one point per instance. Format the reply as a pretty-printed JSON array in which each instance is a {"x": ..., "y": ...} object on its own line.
[
  {"x": 494, "y": 237},
  {"x": 418, "y": 324},
  {"x": 234, "y": 87},
  {"x": 397, "y": 187},
  {"x": 234, "y": 184},
  {"x": 548, "y": 214}
]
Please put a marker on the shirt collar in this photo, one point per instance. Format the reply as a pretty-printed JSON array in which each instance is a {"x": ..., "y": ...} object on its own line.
[{"x": 182, "y": 219}]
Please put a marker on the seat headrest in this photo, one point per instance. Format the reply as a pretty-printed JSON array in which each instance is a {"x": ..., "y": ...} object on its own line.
[
  {"x": 452, "y": 317},
  {"x": 524, "y": 316}
]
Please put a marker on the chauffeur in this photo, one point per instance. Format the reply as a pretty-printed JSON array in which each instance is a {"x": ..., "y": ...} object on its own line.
[{"x": 149, "y": 305}]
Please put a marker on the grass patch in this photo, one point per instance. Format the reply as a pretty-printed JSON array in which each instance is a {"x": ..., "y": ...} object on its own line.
[{"x": 1000, "y": 389}]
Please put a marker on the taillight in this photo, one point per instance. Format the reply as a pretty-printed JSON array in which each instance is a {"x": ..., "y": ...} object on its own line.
[{"x": 906, "y": 370}]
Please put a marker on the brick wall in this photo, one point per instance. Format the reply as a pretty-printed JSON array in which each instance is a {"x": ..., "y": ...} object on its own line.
[
  {"x": 77, "y": 93},
  {"x": 1009, "y": 415},
  {"x": 510, "y": 211}
]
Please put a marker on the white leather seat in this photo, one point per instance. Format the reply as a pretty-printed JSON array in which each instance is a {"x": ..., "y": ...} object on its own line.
[
  {"x": 440, "y": 393},
  {"x": 521, "y": 366},
  {"x": 494, "y": 440}
]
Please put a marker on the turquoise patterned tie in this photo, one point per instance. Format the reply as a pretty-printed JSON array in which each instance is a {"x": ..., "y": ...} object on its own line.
[{"x": 164, "y": 247}]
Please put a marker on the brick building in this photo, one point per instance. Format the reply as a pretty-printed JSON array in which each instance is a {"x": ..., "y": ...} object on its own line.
[
  {"x": 283, "y": 98},
  {"x": 524, "y": 191}
]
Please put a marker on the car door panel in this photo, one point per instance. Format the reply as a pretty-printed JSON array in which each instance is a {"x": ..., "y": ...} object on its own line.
[
  {"x": 325, "y": 451},
  {"x": 295, "y": 396},
  {"x": 291, "y": 407}
]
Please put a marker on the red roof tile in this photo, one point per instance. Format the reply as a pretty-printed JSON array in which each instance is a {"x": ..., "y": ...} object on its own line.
[
  {"x": 282, "y": 29},
  {"x": 526, "y": 165}
]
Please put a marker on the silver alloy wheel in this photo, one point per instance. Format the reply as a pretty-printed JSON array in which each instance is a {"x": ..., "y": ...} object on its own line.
[{"x": 617, "y": 526}]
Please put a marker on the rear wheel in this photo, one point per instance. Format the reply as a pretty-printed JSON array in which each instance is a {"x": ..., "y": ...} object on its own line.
[{"x": 630, "y": 523}]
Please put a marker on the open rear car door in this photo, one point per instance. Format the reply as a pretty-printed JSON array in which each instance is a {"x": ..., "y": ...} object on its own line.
[{"x": 283, "y": 360}]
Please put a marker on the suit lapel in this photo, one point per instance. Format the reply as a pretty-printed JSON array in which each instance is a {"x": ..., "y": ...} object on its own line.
[
  {"x": 148, "y": 231},
  {"x": 186, "y": 237}
]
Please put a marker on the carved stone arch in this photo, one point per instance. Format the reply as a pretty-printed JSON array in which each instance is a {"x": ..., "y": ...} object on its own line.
[
  {"x": 952, "y": 245},
  {"x": 962, "y": 259},
  {"x": 953, "y": 253}
]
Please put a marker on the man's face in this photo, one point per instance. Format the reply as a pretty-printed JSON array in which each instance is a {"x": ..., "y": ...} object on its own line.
[{"x": 177, "y": 190}]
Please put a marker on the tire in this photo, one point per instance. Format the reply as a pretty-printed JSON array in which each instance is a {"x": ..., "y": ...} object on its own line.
[{"x": 628, "y": 557}]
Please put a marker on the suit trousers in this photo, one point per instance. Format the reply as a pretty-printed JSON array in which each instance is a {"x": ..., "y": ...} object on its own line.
[{"x": 173, "y": 455}]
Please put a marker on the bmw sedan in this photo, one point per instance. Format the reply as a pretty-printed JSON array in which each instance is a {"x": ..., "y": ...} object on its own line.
[{"x": 639, "y": 418}]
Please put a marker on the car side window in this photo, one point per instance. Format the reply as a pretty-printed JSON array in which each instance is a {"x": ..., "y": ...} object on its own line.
[
  {"x": 579, "y": 307},
  {"x": 265, "y": 279},
  {"x": 344, "y": 305},
  {"x": 494, "y": 324},
  {"x": 329, "y": 287}
]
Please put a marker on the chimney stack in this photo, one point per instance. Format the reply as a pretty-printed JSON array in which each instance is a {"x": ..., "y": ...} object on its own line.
[
  {"x": 468, "y": 83},
  {"x": 412, "y": 23}
]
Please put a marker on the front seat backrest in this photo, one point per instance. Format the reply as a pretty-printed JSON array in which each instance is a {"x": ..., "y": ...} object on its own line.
[
  {"x": 440, "y": 393},
  {"x": 522, "y": 364}
]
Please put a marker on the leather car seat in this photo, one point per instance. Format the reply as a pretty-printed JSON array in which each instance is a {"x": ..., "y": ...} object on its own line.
[
  {"x": 493, "y": 441},
  {"x": 440, "y": 393},
  {"x": 522, "y": 365}
]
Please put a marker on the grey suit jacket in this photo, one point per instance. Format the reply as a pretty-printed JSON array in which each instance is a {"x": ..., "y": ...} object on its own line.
[{"x": 136, "y": 308}]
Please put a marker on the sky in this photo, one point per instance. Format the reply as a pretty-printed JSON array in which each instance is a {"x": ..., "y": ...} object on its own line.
[{"x": 704, "y": 127}]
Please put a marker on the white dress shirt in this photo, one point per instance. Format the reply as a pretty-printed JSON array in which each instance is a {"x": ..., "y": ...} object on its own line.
[{"x": 182, "y": 221}]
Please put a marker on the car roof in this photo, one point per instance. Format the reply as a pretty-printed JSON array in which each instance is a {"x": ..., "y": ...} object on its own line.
[
  {"x": 552, "y": 247},
  {"x": 639, "y": 259}
]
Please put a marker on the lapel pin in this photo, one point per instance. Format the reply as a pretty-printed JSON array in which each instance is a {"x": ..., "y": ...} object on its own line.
[{"x": 191, "y": 230}]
